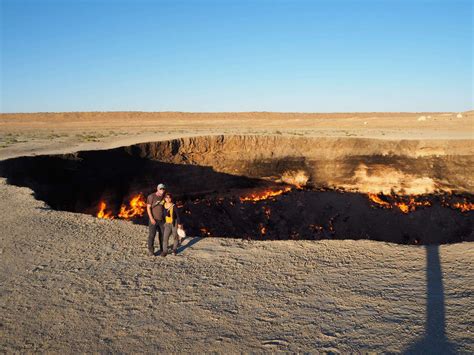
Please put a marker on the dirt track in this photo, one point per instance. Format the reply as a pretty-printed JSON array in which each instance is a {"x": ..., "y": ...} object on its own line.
[{"x": 71, "y": 282}]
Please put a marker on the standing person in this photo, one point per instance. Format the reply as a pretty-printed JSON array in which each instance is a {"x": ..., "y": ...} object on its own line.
[
  {"x": 172, "y": 223},
  {"x": 154, "y": 208}
]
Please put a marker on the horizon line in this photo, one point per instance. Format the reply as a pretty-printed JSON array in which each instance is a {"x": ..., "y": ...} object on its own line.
[{"x": 235, "y": 112}]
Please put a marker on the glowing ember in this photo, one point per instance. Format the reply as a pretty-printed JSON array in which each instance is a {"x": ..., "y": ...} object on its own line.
[
  {"x": 205, "y": 232},
  {"x": 267, "y": 211},
  {"x": 316, "y": 228},
  {"x": 264, "y": 195},
  {"x": 103, "y": 213},
  {"x": 136, "y": 208}
]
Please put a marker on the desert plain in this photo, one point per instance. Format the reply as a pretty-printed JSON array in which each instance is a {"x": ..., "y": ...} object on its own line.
[{"x": 71, "y": 282}]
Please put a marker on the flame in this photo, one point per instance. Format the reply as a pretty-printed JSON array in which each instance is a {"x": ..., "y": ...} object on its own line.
[
  {"x": 102, "y": 213},
  {"x": 404, "y": 206},
  {"x": 263, "y": 229},
  {"x": 464, "y": 206},
  {"x": 136, "y": 208},
  {"x": 411, "y": 205},
  {"x": 297, "y": 178},
  {"x": 263, "y": 195},
  {"x": 375, "y": 198}
]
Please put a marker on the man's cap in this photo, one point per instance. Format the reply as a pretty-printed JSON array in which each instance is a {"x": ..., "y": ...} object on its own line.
[{"x": 161, "y": 186}]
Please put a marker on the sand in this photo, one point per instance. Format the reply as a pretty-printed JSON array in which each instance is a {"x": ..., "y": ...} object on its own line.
[
  {"x": 71, "y": 282},
  {"x": 44, "y": 133}
]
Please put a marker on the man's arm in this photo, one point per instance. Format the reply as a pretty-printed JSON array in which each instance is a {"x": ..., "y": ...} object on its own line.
[{"x": 148, "y": 209}]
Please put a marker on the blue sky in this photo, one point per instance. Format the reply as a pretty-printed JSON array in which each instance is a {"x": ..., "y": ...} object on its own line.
[{"x": 260, "y": 55}]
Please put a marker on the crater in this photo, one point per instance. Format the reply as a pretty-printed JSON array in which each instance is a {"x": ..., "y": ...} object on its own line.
[{"x": 271, "y": 187}]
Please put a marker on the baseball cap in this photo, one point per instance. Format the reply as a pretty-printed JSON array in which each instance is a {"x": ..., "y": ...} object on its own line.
[{"x": 161, "y": 186}]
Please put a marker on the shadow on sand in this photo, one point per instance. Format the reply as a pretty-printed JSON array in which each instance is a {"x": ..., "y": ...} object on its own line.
[
  {"x": 434, "y": 340},
  {"x": 189, "y": 244}
]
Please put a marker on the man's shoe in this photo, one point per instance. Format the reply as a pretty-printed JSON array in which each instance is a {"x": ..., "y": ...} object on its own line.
[
  {"x": 151, "y": 252},
  {"x": 163, "y": 254}
]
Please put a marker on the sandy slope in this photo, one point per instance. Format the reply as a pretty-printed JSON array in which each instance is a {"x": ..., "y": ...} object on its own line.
[{"x": 71, "y": 282}]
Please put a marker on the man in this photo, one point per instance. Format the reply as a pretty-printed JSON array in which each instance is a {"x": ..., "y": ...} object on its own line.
[{"x": 154, "y": 208}]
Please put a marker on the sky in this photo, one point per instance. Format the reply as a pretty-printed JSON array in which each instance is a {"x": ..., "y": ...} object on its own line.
[{"x": 234, "y": 56}]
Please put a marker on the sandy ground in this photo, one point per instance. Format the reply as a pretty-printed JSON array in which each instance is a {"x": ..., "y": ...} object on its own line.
[
  {"x": 71, "y": 282},
  {"x": 43, "y": 133}
]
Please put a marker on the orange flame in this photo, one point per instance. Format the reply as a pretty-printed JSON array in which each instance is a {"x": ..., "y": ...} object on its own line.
[
  {"x": 464, "y": 206},
  {"x": 411, "y": 205},
  {"x": 264, "y": 195},
  {"x": 403, "y": 206},
  {"x": 102, "y": 213},
  {"x": 375, "y": 198},
  {"x": 136, "y": 208}
]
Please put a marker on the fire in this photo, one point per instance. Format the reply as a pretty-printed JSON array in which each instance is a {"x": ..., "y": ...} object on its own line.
[
  {"x": 375, "y": 198},
  {"x": 405, "y": 206},
  {"x": 464, "y": 206},
  {"x": 103, "y": 213},
  {"x": 263, "y": 229},
  {"x": 263, "y": 195},
  {"x": 411, "y": 205},
  {"x": 136, "y": 208}
]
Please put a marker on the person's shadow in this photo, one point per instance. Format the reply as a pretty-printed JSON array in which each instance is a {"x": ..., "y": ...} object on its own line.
[
  {"x": 189, "y": 244},
  {"x": 434, "y": 340}
]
